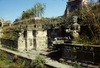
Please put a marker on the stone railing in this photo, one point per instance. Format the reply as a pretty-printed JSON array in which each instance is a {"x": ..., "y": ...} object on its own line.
[{"x": 81, "y": 53}]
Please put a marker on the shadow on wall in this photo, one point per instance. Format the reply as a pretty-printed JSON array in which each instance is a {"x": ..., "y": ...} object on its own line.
[{"x": 12, "y": 44}]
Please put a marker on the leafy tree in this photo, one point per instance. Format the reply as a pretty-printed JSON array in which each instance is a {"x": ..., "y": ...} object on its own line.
[
  {"x": 36, "y": 11},
  {"x": 39, "y": 9},
  {"x": 28, "y": 14}
]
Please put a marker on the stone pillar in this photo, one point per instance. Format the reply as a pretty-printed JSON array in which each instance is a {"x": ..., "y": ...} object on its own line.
[
  {"x": 21, "y": 42},
  {"x": 29, "y": 39},
  {"x": 41, "y": 40}
]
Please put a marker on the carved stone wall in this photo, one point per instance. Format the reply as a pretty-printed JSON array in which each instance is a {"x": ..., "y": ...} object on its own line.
[{"x": 41, "y": 40}]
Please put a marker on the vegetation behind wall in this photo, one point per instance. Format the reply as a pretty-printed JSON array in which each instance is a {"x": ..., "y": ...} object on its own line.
[
  {"x": 89, "y": 19},
  {"x": 11, "y": 32}
]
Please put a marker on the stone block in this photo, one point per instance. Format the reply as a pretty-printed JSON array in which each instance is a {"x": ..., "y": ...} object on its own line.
[{"x": 21, "y": 43}]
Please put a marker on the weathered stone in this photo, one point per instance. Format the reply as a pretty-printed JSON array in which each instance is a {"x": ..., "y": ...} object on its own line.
[
  {"x": 34, "y": 39},
  {"x": 73, "y": 5},
  {"x": 29, "y": 39},
  {"x": 76, "y": 27},
  {"x": 75, "y": 19},
  {"x": 21, "y": 43},
  {"x": 41, "y": 40},
  {"x": 75, "y": 34}
]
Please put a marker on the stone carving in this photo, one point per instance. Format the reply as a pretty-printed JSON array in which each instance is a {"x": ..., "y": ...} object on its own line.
[
  {"x": 76, "y": 28},
  {"x": 73, "y": 29},
  {"x": 74, "y": 18}
]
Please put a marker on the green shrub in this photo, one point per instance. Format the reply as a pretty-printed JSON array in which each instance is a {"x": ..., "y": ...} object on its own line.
[
  {"x": 77, "y": 66},
  {"x": 15, "y": 65},
  {"x": 4, "y": 63},
  {"x": 38, "y": 62},
  {"x": 3, "y": 55},
  {"x": 4, "y": 59}
]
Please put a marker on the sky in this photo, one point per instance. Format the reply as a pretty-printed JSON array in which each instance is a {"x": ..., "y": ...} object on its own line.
[{"x": 12, "y": 9}]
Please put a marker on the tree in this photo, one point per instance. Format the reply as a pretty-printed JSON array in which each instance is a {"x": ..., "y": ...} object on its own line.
[
  {"x": 36, "y": 11},
  {"x": 28, "y": 13},
  {"x": 39, "y": 9}
]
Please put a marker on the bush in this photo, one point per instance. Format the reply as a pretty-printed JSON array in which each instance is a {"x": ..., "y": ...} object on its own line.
[
  {"x": 4, "y": 59},
  {"x": 3, "y": 55},
  {"x": 11, "y": 33},
  {"x": 38, "y": 62},
  {"x": 91, "y": 18},
  {"x": 15, "y": 65}
]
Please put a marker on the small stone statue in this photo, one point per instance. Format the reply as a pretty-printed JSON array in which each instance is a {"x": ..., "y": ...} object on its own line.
[{"x": 76, "y": 28}]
